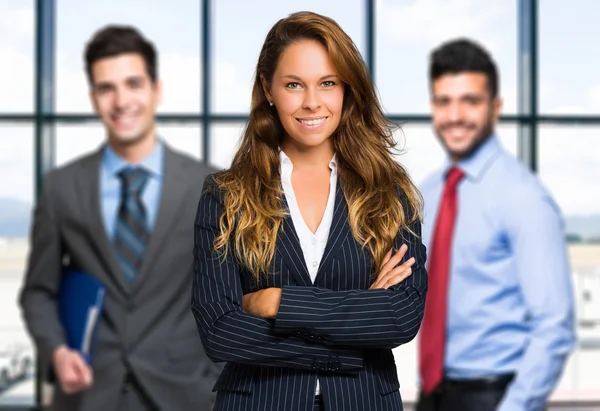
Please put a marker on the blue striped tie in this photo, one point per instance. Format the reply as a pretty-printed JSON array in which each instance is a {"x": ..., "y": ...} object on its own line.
[{"x": 131, "y": 233}]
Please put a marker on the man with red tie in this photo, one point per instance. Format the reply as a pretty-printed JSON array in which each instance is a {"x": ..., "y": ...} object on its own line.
[{"x": 498, "y": 324}]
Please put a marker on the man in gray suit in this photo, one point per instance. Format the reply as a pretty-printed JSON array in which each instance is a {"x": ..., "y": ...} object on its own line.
[{"x": 125, "y": 215}]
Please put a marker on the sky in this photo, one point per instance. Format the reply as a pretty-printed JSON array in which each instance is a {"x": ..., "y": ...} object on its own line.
[{"x": 406, "y": 31}]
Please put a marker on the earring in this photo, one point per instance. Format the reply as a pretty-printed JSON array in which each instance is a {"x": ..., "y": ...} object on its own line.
[{"x": 270, "y": 103}]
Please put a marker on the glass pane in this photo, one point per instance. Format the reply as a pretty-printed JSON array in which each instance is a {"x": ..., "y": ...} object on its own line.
[
  {"x": 224, "y": 142},
  {"x": 173, "y": 27},
  {"x": 75, "y": 140},
  {"x": 569, "y": 57},
  {"x": 17, "y": 47},
  {"x": 234, "y": 57},
  {"x": 571, "y": 172},
  {"x": 407, "y": 31},
  {"x": 422, "y": 154},
  {"x": 17, "y": 354},
  {"x": 183, "y": 138}
]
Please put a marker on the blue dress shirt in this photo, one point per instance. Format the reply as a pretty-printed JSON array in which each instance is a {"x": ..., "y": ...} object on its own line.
[
  {"x": 510, "y": 301},
  {"x": 110, "y": 185}
]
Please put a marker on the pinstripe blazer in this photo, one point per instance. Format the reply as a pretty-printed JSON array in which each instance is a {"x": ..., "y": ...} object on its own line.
[{"x": 335, "y": 329}]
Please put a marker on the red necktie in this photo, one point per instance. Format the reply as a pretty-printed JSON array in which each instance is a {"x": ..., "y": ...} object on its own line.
[{"x": 432, "y": 336}]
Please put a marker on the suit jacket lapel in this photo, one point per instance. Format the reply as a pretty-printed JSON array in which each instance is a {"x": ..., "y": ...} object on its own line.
[
  {"x": 173, "y": 192},
  {"x": 288, "y": 246},
  {"x": 339, "y": 231},
  {"x": 88, "y": 182}
]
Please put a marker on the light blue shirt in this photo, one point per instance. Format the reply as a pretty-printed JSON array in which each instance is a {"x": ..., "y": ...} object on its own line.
[
  {"x": 110, "y": 185},
  {"x": 510, "y": 295}
]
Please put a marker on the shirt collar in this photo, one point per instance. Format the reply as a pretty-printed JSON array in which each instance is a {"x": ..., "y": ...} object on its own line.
[
  {"x": 286, "y": 160},
  {"x": 475, "y": 165},
  {"x": 153, "y": 163}
]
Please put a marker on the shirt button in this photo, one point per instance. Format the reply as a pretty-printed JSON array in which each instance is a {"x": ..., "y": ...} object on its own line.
[
  {"x": 313, "y": 241},
  {"x": 314, "y": 263}
]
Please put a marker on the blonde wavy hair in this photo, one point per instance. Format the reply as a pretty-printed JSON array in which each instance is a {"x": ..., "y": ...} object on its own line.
[{"x": 370, "y": 178}]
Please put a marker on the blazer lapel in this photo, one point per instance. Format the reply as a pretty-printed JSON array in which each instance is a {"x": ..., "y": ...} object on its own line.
[
  {"x": 88, "y": 182},
  {"x": 288, "y": 246},
  {"x": 173, "y": 192},
  {"x": 339, "y": 231}
]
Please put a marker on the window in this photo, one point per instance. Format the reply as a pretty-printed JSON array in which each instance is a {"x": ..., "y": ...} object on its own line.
[
  {"x": 569, "y": 57},
  {"x": 17, "y": 356},
  {"x": 571, "y": 171},
  {"x": 73, "y": 141},
  {"x": 235, "y": 52},
  {"x": 173, "y": 27},
  {"x": 407, "y": 31},
  {"x": 421, "y": 153},
  {"x": 225, "y": 139},
  {"x": 76, "y": 140},
  {"x": 16, "y": 48}
]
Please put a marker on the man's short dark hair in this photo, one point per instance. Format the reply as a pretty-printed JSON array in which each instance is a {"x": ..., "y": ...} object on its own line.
[
  {"x": 462, "y": 55},
  {"x": 113, "y": 40}
]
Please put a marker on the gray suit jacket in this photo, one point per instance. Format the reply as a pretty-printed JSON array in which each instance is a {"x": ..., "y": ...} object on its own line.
[{"x": 147, "y": 327}]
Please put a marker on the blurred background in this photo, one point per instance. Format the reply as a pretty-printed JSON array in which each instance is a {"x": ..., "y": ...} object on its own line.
[{"x": 549, "y": 60}]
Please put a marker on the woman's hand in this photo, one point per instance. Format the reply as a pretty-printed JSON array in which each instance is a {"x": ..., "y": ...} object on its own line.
[
  {"x": 388, "y": 275},
  {"x": 263, "y": 303}
]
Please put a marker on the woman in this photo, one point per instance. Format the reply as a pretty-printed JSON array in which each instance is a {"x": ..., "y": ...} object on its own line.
[{"x": 296, "y": 286}]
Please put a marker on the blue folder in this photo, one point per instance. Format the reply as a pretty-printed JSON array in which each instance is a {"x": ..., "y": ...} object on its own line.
[{"x": 80, "y": 302}]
